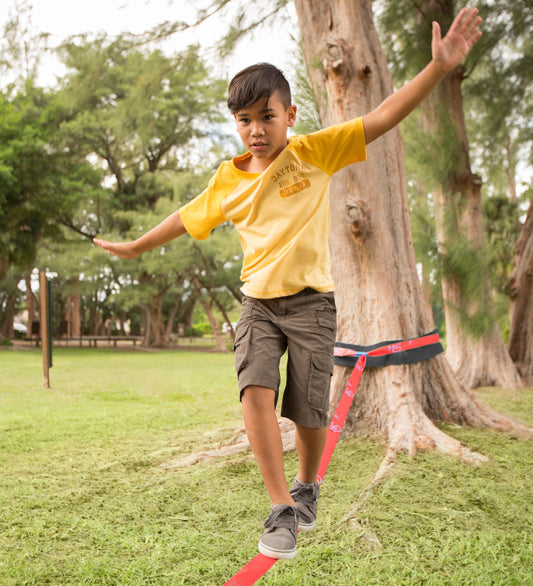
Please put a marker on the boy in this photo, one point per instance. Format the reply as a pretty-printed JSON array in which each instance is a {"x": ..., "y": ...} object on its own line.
[{"x": 277, "y": 197}]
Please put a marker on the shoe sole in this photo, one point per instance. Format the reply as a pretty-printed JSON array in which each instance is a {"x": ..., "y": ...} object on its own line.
[
  {"x": 306, "y": 526},
  {"x": 276, "y": 553}
]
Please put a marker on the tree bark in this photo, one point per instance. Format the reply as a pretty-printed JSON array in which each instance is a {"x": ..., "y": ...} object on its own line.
[
  {"x": 95, "y": 317},
  {"x": 30, "y": 301},
  {"x": 148, "y": 325},
  {"x": 160, "y": 340},
  {"x": 7, "y": 329},
  {"x": 172, "y": 317},
  {"x": 226, "y": 318},
  {"x": 220, "y": 343},
  {"x": 154, "y": 325},
  {"x": 74, "y": 305},
  {"x": 521, "y": 336},
  {"x": 373, "y": 263}
]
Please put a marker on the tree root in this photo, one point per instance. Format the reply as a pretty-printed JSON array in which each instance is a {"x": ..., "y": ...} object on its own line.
[
  {"x": 408, "y": 428},
  {"x": 238, "y": 444},
  {"x": 351, "y": 518},
  {"x": 426, "y": 437}
]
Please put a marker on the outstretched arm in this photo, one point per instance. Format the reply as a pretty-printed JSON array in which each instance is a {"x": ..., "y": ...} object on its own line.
[
  {"x": 447, "y": 54},
  {"x": 167, "y": 230}
]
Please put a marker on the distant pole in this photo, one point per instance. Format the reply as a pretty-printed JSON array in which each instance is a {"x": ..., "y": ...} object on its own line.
[{"x": 45, "y": 327}]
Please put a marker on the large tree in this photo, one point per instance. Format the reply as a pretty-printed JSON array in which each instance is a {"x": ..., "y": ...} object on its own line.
[{"x": 377, "y": 288}]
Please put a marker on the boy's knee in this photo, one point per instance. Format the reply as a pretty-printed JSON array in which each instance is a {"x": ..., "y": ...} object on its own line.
[{"x": 257, "y": 396}]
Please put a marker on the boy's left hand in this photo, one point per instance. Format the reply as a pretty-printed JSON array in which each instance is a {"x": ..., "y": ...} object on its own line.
[{"x": 464, "y": 32}]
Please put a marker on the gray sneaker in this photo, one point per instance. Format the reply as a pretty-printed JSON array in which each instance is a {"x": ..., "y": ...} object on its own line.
[
  {"x": 279, "y": 539},
  {"x": 306, "y": 498}
]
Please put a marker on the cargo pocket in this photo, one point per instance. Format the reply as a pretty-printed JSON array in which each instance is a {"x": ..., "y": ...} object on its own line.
[
  {"x": 242, "y": 346},
  {"x": 321, "y": 365},
  {"x": 326, "y": 318}
]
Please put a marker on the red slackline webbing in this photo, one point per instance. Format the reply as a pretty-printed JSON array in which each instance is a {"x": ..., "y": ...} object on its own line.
[
  {"x": 252, "y": 571},
  {"x": 391, "y": 348},
  {"x": 260, "y": 564}
]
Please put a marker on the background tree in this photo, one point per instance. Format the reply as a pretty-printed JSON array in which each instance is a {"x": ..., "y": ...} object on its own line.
[
  {"x": 503, "y": 131},
  {"x": 521, "y": 337},
  {"x": 475, "y": 346},
  {"x": 141, "y": 114},
  {"x": 42, "y": 185}
]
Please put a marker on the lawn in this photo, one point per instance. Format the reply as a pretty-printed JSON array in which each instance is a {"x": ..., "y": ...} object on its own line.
[{"x": 84, "y": 501}]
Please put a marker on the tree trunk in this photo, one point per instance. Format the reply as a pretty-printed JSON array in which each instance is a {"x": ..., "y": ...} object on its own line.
[
  {"x": 220, "y": 343},
  {"x": 7, "y": 329},
  {"x": 148, "y": 325},
  {"x": 521, "y": 337},
  {"x": 95, "y": 317},
  {"x": 30, "y": 301},
  {"x": 172, "y": 317},
  {"x": 226, "y": 318},
  {"x": 188, "y": 316},
  {"x": 159, "y": 341},
  {"x": 373, "y": 264},
  {"x": 154, "y": 326},
  {"x": 75, "y": 310},
  {"x": 476, "y": 360},
  {"x": 481, "y": 359}
]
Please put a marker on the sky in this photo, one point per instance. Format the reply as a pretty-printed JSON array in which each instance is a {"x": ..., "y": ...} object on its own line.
[{"x": 63, "y": 18}]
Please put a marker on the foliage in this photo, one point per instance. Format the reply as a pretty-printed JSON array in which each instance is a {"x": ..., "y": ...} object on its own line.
[
  {"x": 137, "y": 112},
  {"x": 502, "y": 225},
  {"x": 21, "y": 47},
  {"x": 500, "y": 95},
  {"x": 40, "y": 182},
  {"x": 308, "y": 119},
  {"x": 467, "y": 266},
  {"x": 498, "y": 130},
  {"x": 110, "y": 153},
  {"x": 140, "y": 113}
]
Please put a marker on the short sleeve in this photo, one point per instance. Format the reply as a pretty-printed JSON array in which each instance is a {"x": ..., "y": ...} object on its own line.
[
  {"x": 204, "y": 212},
  {"x": 334, "y": 147}
]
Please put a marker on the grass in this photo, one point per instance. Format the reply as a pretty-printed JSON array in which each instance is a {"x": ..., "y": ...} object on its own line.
[{"x": 82, "y": 500}]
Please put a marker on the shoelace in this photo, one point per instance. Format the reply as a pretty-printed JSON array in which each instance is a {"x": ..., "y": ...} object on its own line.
[
  {"x": 305, "y": 495},
  {"x": 283, "y": 518}
]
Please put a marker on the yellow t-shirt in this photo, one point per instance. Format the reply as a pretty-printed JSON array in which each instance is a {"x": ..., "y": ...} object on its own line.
[{"x": 281, "y": 214}]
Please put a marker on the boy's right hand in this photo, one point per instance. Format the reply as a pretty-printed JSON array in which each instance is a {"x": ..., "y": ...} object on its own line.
[{"x": 121, "y": 249}]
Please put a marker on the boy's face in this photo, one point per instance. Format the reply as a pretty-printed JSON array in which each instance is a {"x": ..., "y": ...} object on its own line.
[{"x": 263, "y": 128}]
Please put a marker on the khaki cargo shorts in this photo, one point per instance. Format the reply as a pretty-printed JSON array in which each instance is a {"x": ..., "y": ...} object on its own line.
[{"x": 303, "y": 324}]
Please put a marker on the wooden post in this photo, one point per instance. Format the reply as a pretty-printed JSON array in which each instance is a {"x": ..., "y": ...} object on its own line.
[{"x": 45, "y": 327}]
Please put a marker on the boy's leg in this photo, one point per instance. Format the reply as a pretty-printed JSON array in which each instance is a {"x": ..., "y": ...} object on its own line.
[
  {"x": 279, "y": 537},
  {"x": 310, "y": 443},
  {"x": 311, "y": 336},
  {"x": 261, "y": 423},
  {"x": 305, "y": 490}
]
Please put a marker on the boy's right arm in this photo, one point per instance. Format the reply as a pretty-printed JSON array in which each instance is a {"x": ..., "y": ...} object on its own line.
[
  {"x": 167, "y": 230},
  {"x": 447, "y": 53}
]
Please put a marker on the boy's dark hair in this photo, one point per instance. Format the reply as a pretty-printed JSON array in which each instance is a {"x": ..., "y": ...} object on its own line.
[{"x": 254, "y": 82}]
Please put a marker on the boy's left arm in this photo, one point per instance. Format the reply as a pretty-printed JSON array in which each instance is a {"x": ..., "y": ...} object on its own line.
[{"x": 447, "y": 54}]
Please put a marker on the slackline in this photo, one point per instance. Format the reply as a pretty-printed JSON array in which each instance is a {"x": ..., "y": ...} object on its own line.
[{"x": 382, "y": 354}]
